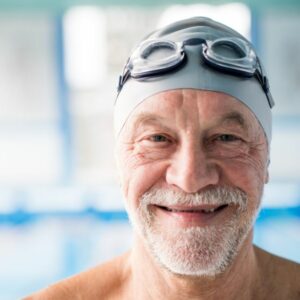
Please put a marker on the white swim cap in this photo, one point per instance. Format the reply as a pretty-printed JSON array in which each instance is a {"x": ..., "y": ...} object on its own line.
[{"x": 196, "y": 53}]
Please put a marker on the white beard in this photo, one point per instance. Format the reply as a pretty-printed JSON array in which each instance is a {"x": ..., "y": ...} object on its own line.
[{"x": 194, "y": 251}]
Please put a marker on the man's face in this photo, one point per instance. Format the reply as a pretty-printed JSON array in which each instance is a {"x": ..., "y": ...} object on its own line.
[{"x": 192, "y": 168}]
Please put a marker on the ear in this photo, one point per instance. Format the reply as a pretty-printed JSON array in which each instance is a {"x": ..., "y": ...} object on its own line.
[{"x": 266, "y": 179}]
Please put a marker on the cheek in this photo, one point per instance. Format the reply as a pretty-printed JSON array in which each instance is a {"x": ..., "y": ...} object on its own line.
[
  {"x": 247, "y": 173},
  {"x": 138, "y": 174}
]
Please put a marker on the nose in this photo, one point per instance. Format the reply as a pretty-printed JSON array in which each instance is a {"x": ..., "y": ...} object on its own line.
[{"x": 191, "y": 170}]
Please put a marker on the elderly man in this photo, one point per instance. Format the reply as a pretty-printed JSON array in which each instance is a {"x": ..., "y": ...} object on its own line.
[{"x": 193, "y": 129}]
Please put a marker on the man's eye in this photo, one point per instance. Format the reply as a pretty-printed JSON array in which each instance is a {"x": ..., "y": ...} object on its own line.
[
  {"x": 158, "y": 138},
  {"x": 227, "y": 138}
]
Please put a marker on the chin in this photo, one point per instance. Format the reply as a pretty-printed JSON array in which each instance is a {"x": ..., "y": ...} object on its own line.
[{"x": 205, "y": 252}]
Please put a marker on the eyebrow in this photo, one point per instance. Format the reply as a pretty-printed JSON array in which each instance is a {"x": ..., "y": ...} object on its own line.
[
  {"x": 235, "y": 117},
  {"x": 145, "y": 118}
]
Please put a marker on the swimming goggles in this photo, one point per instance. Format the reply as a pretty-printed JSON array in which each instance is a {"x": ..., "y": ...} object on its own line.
[{"x": 232, "y": 55}]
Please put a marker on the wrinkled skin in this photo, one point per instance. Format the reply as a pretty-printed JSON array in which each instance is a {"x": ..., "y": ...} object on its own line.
[
  {"x": 191, "y": 140},
  {"x": 187, "y": 141}
]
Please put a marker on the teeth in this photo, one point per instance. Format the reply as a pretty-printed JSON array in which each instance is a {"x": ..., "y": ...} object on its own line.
[{"x": 209, "y": 210}]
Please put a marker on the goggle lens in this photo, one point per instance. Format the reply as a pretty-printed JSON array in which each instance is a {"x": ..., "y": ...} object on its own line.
[
  {"x": 231, "y": 55},
  {"x": 154, "y": 57}
]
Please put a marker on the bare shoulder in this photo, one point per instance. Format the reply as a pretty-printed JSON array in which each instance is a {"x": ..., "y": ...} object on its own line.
[
  {"x": 106, "y": 280},
  {"x": 284, "y": 274}
]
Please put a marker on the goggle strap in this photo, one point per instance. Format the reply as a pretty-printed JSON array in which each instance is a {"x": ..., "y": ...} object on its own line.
[
  {"x": 266, "y": 87},
  {"x": 120, "y": 84},
  {"x": 125, "y": 75}
]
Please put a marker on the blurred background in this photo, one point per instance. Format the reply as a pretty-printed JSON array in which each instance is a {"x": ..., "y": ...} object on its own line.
[{"x": 61, "y": 209}]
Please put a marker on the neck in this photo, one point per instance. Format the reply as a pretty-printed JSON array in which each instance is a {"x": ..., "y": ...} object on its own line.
[{"x": 152, "y": 281}]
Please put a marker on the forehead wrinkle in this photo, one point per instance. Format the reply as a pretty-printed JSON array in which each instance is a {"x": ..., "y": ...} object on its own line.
[{"x": 152, "y": 118}]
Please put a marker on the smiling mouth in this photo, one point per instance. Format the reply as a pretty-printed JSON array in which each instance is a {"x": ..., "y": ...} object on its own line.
[
  {"x": 201, "y": 215},
  {"x": 206, "y": 209}
]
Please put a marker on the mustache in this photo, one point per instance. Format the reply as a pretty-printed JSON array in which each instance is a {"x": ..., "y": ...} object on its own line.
[{"x": 219, "y": 195}]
